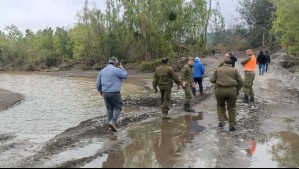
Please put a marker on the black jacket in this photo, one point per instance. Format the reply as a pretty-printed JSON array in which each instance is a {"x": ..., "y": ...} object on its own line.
[
  {"x": 268, "y": 58},
  {"x": 234, "y": 59},
  {"x": 262, "y": 59}
]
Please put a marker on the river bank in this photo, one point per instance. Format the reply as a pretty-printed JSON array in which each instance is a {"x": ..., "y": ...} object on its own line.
[{"x": 8, "y": 99}]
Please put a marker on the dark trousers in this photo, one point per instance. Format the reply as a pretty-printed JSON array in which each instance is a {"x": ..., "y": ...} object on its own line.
[
  {"x": 262, "y": 68},
  {"x": 165, "y": 98},
  {"x": 198, "y": 80},
  {"x": 267, "y": 65},
  {"x": 113, "y": 104}
]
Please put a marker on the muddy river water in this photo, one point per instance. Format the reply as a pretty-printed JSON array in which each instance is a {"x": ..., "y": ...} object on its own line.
[
  {"x": 53, "y": 103},
  {"x": 56, "y": 102}
]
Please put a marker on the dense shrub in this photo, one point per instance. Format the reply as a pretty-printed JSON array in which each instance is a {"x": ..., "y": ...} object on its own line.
[{"x": 149, "y": 66}]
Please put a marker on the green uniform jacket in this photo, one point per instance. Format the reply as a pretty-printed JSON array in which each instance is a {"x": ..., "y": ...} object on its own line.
[
  {"x": 221, "y": 64},
  {"x": 227, "y": 76},
  {"x": 164, "y": 77},
  {"x": 187, "y": 74}
]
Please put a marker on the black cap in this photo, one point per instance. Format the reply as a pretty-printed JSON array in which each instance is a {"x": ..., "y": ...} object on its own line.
[
  {"x": 165, "y": 60},
  {"x": 228, "y": 61}
]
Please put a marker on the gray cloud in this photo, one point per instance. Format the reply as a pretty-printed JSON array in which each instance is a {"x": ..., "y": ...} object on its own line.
[
  {"x": 228, "y": 10},
  {"x": 39, "y": 14}
]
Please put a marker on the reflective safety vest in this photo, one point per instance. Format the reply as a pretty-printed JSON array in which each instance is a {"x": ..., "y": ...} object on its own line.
[{"x": 251, "y": 64}]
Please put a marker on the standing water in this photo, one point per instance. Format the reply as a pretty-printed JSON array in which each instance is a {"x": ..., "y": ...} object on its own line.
[{"x": 53, "y": 103}]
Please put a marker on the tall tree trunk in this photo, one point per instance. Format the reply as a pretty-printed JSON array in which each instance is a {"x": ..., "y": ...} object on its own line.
[{"x": 206, "y": 25}]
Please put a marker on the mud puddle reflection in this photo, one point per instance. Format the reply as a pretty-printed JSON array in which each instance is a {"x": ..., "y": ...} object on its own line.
[
  {"x": 280, "y": 151},
  {"x": 84, "y": 148},
  {"x": 153, "y": 144}
]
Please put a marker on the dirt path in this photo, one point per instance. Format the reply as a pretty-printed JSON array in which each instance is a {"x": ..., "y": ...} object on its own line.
[{"x": 267, "y": 131}]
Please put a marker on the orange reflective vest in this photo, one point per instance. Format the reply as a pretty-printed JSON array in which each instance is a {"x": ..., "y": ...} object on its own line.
[
  {"x": 252, "y": 148},
  {"x": 251, "y": 64}
]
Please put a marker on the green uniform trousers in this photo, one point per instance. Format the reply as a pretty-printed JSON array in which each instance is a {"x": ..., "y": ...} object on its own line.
[
  {"x": 188, "y": 93},
  {"x": 165, "y": 97},
  {"x": 229, "y": 96},
  {"x": 248, "y": 83}
]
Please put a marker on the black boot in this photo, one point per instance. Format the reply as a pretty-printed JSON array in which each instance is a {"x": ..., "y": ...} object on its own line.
[
  {"x": 246, "y": 99},
  {"x": 166, "y": 117},
  {"x": 185, "y": 107},
  {"x": 221, "y": 124},
  {"x": 189, "y": 108},
  {"x": 251, "y": 98},
  {"x": 233, "y": 128}
]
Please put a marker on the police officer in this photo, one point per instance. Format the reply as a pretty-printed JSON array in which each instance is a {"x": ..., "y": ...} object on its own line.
[
  {"x": 163, "y": 78},
  {"x": 188, "y": 83},
  {"x": 226, "y": 78},
  {"x": 249, "y": 68}
]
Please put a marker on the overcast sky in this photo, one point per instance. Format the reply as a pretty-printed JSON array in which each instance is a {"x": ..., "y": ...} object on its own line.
[{"x": 39, "y": 14}]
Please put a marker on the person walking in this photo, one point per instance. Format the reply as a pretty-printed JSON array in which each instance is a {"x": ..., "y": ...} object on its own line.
[
  {"x": 226, "y": 79},
  {"x": 268, "y": 60},
  {"x": 262, "y": 61},
  {"x": 109, "y": 83},
  {"x": 213, "y": 52},
  {"x": 198, "y": 72},
  {"x": 188, "y": 83},
  {"x": 249, "y": 68},
  {"x": 163, "y": 78}
]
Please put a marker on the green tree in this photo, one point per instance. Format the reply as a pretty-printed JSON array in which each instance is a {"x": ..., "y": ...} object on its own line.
[
  {"x": 43, "y": 47},
  {"x": 132, "y": 30},
  {"x": 286, "y": 24},
  {"x": 13, "y": 46},
  {"x": 61, "y": 42},
  {"x": 259, "y": 17}
]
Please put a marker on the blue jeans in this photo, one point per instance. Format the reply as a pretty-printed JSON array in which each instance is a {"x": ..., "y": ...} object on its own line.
[
  {"x": 198, "y": 80},
  {"x": 114, "y": 105},
  {"x": 262, "y": 68}
]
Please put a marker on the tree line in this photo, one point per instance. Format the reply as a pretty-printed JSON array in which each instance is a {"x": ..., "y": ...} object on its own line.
[{"x": 142, "y": 31}]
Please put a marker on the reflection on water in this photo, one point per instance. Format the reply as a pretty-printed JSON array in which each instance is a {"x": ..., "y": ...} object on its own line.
[
  {"x": 281, "y": 151},
  {"x": 286, "y": 152},
  {"x": 156, "y": 144},
  {"x": 251, "y": 147},
  {"x": 52, "y": 103},
  {"x": 115, "y": 159},
  {"x": 80, "y": 152},
  {"x": 94, "y": 163}
]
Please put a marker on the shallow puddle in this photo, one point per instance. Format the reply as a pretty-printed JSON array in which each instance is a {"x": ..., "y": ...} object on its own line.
[
  {"x": 154, "y": 144},
  {"x": 83, "y": 149},
  {"x": 279, "y": 151}
]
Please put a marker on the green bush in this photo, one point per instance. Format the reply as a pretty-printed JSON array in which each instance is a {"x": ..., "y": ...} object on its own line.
[{"x": 149, "y": 66}]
